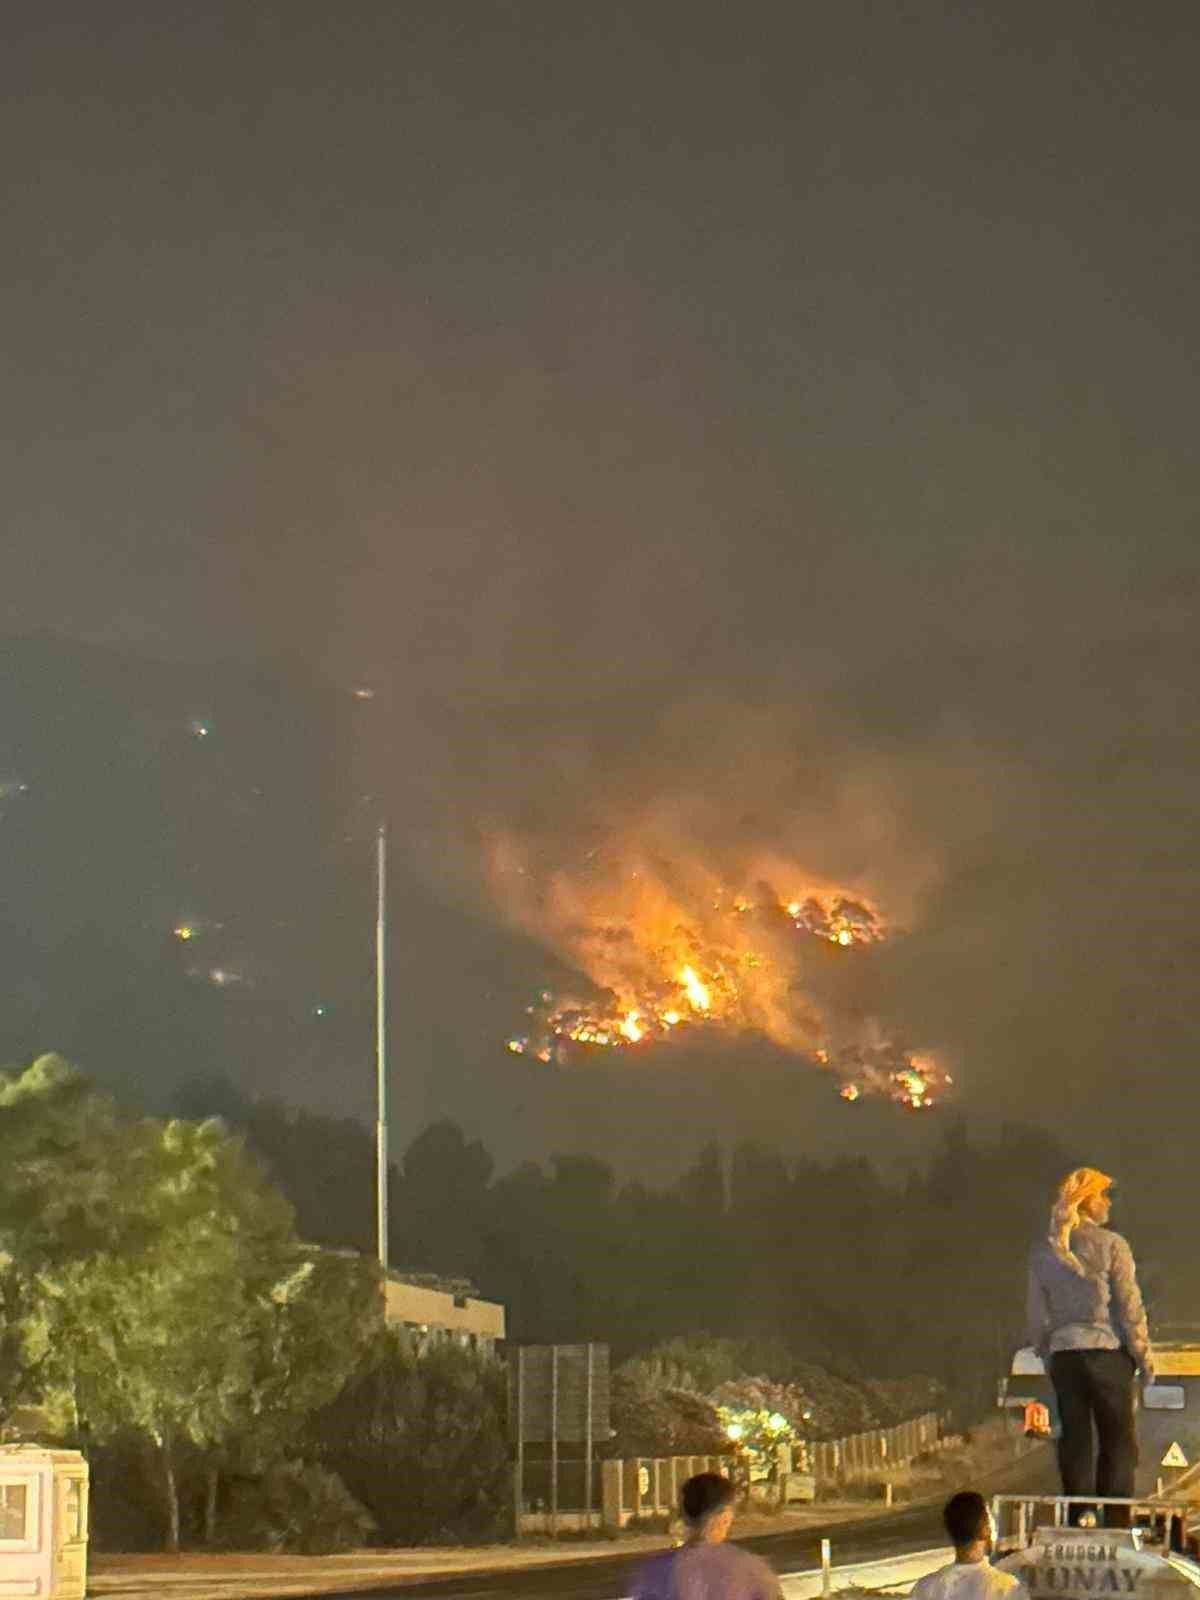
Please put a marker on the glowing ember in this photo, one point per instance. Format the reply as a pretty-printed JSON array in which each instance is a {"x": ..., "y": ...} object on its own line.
[
  {"x": 193, "y": 927},
  {"x": 557, "y": 1025},
  {"x": 882, "y": 1070},
  {"x": 915, "y": 1082},
  {"x": 914, "y": 1087},
  {"x": 840, "y": 920}
]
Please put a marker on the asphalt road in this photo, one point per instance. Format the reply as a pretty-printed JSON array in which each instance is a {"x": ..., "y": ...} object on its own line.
[{"x": 607, "y": 1578}]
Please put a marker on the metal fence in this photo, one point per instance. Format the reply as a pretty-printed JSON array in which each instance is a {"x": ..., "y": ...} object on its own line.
[
  {"x": 553, "y": 1497},
  {"x": 867, "y": 1455},
  {"x": 540, "y": 1494}
]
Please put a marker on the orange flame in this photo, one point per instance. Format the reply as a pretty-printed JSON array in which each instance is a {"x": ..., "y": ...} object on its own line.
[
  {"x": 629, "y": 1027},
  {"x": 697, "y": 992},
  {"x": 666, "y": 947}
]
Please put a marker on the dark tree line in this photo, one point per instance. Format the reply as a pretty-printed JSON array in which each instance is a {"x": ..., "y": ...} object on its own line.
[{"x": 829, "y": 1261}]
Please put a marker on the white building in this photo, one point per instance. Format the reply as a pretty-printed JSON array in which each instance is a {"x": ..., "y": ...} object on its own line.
[{"x": 433, "y": 1309}]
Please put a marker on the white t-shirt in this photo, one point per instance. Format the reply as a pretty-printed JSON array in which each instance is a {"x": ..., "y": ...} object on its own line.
[{"x": 969, "y": 1580}]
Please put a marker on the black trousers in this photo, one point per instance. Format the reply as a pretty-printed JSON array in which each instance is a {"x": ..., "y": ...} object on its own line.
[{"x": 1095, "y": 1391}]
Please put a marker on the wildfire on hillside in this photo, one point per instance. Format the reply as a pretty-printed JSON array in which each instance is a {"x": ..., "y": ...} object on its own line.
[{"x": 669, "y": 952}]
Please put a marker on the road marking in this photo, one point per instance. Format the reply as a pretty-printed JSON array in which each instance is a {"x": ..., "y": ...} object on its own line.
[
  {"x": 938, "y": 1552},
  {"x": 877, "y": 1561}
]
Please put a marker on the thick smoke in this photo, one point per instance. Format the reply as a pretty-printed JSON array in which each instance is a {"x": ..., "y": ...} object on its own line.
[{"x": 749, "y": 848}]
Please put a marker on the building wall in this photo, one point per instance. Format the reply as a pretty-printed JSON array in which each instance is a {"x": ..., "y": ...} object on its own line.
[{"x": 431, "y": 1314}]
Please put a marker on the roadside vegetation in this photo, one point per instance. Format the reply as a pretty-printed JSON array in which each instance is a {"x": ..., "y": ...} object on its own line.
[{"x": 219, "y": 1353}]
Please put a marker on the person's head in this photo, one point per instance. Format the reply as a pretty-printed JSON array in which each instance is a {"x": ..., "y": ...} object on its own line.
[
  {"x": 1082, "y": 1196},
  {"x": 968, "y": 1522},
  {"x": 1096, "y": 1206},
  {"x": 706, "y": 1502}
]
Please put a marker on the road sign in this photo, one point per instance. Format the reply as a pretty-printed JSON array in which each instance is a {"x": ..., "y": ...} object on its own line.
[
  {"x": 561, "y": 1392},
  {"x": 558, "y": 1395},
  {"x": 1174, "y": 1457}
]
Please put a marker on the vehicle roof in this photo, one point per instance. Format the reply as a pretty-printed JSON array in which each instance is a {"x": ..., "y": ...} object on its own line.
[{"x": 1177, "y": 1359}]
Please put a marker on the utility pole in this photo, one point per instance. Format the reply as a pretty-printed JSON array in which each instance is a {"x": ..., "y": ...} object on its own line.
[{"x": 381, "y": 1123}]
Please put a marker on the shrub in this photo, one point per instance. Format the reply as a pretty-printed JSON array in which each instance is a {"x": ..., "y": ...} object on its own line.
[
  {"x": 662, "y": 1422},
  {"x": 422, "y": 1440},
  {"x": 125, "y": 1509},
  {"x": 297, "y": 1507}
]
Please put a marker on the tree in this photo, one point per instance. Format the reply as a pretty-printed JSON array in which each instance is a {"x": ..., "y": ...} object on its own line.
[
  {"x": 694, "y": 1361},
  {"x": 442, "y": 1200},
  {"x": 156, "y": 1280},
  {"x": 318, "y": 1161},
  {"x": 702, "y": 1187},
  {"x": 653, "y": 1420},
  {"x": 57, "y": 1198},
  {"x": 325, "y": 1313},
  {"x": 161, "y": 1328}
]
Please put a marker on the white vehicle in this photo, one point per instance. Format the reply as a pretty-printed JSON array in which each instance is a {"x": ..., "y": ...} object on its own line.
[
  {"x": 1156, "y": 1557},
  {"x": 1152, "y": 1560},
  {"x": 1168, "y": 1409}
]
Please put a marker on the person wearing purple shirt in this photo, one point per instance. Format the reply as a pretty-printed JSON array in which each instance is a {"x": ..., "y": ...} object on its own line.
[{"x": 706, "y": 1566}]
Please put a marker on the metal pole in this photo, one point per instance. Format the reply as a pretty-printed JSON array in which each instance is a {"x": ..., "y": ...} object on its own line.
[
  {"x": 519, "y": 1474},
  {"x": 826, "y": 1567},
  {"x": 587, "y": 1471},
  {"x": 554, "y": 1442},
  {"x": 381, "y": 1123}
]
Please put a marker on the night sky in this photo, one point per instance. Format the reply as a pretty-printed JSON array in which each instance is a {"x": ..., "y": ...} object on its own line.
[{"x": 774, "y": 421}]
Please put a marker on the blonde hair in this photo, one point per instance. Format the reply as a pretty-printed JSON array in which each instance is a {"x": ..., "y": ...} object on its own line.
[{"x": 1084, "y": 1184}]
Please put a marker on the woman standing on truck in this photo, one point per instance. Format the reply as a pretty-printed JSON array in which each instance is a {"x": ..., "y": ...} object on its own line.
[{"x": 1088, "y": 1324}]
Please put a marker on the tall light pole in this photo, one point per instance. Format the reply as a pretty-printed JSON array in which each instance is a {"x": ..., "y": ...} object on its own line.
[{"x": 381, "y": 1124}]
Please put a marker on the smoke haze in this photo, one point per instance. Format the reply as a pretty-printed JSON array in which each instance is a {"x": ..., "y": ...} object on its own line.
[{"x": 720, "y": 440}]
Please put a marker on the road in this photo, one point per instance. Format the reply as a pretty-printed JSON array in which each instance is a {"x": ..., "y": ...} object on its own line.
[{"x": 607, "y": 1578}]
